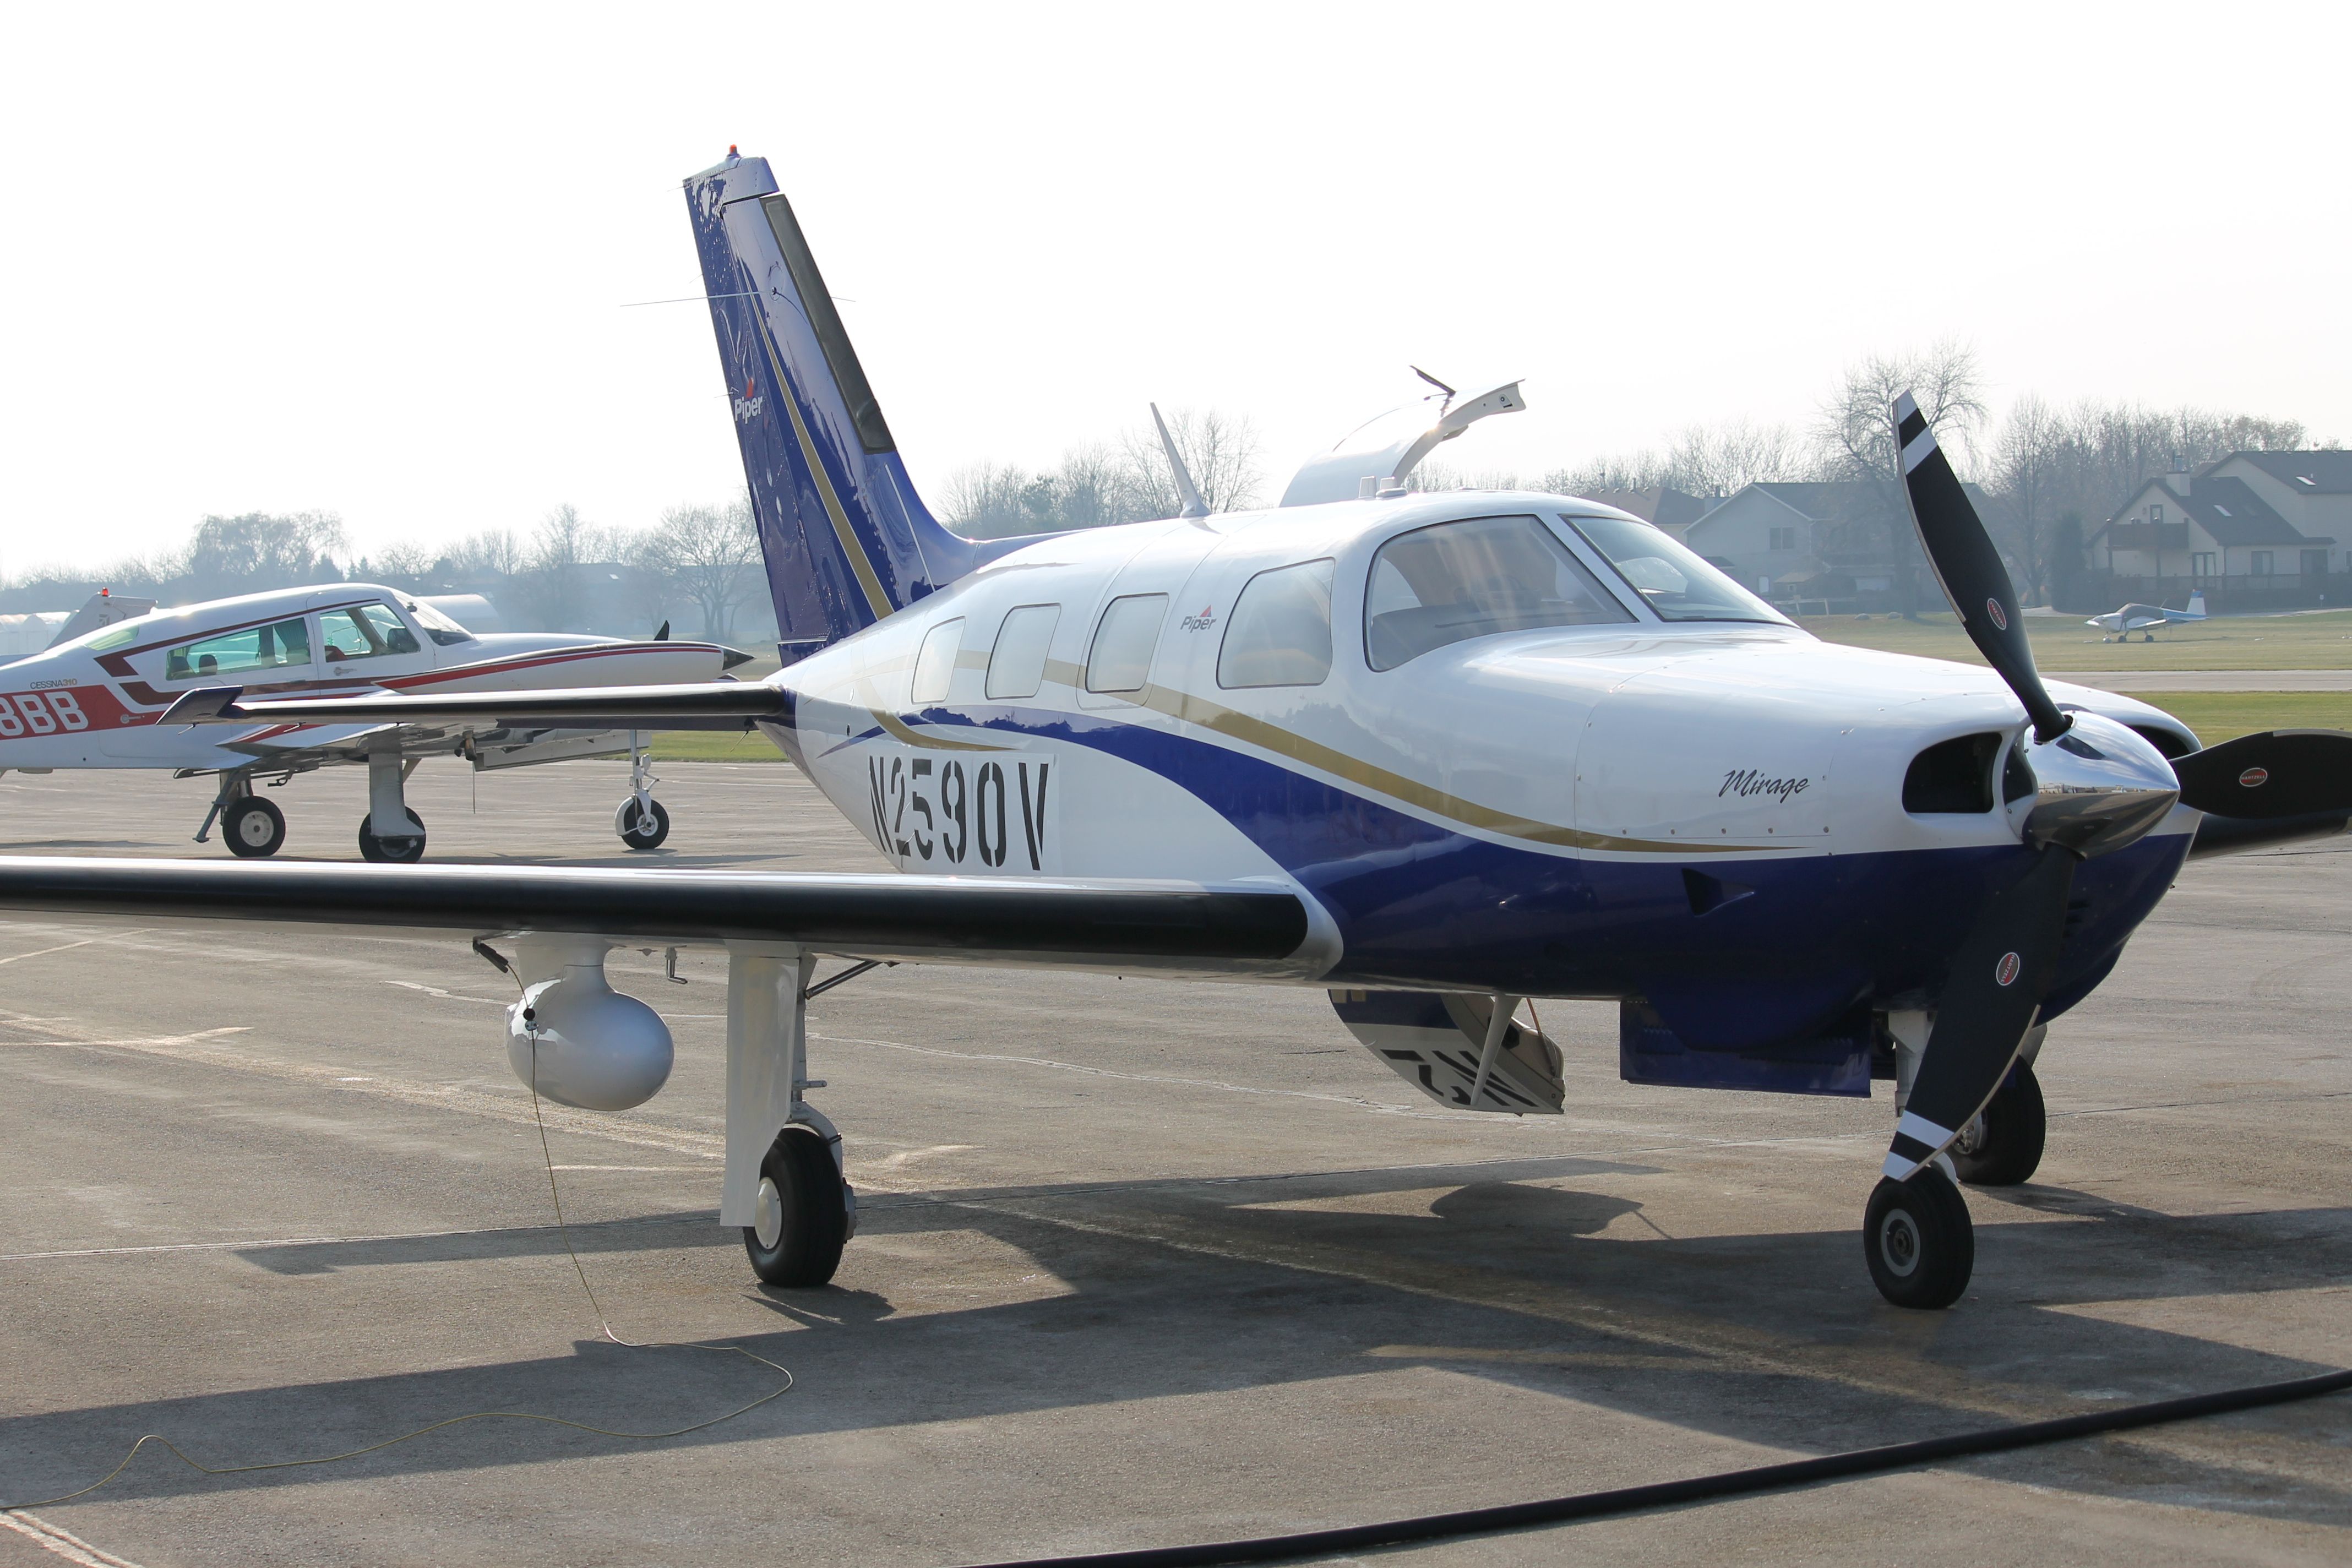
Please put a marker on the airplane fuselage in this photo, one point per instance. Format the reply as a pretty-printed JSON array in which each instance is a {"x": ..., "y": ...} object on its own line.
[{"x": 1710, "y": 815}]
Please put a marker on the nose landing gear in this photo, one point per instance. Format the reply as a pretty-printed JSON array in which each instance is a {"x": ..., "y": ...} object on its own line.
[
  {"x": 1918, "y": 1240},
  {"x": 642, "y": 822}
]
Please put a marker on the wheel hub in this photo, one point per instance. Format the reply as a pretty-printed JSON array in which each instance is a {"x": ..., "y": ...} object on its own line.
[
  {"x": 1899, "y": 1243},
  {"x": 768, "y": 1213}
]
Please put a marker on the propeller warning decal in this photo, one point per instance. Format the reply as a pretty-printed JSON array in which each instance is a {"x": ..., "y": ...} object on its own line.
[
  {"x": 2005, "y": 971},
  {"x": 1992, "y": 608},
  {"x": 2253, "y": 778}
]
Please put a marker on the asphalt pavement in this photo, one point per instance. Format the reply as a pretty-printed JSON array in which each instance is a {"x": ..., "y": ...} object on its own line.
[{"x": 1139, "y": 1262}]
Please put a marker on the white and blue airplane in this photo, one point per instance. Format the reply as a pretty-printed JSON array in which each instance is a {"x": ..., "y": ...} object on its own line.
[
  {"x": 1433, "y": 752},
  {"x": 2146, "y": 618}
]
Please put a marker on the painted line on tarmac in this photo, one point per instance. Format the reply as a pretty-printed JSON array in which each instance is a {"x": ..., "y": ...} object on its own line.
[
  {"x": 512, "y": 1109},
  {"x": 64, "y": 1542},
  {"x": 256, "y": 1244}
]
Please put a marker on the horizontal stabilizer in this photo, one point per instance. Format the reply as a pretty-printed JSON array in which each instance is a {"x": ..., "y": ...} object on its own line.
[
  {"x": 703, "y": 705},
  {"x": 1052, "y": 923}
]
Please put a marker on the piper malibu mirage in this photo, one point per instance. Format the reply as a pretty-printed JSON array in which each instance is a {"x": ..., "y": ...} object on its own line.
[
  {"x": 96, "y": 702},
  {"x": 1433, "y": 752}
]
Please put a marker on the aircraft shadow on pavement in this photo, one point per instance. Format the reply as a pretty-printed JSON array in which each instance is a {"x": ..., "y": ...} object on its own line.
[{"x": 1507, "y": 1274}]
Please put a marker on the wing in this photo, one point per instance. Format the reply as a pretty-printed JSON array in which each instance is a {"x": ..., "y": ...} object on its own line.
[
  {"x": 704, "y": 705},
  {"x": 1038, "y": 923}
]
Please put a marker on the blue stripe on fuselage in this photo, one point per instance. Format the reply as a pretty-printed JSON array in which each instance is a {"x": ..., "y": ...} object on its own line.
[{"x": 1422, "y": 905}]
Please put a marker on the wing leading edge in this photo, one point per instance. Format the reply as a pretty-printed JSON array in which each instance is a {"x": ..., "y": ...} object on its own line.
[
  {"x": 707, "y": 705},
  {"x": 1030, "y": 921}
]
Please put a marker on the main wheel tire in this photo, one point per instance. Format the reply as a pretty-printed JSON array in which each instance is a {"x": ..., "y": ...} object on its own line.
[
  {"x": 398, "y": 852},
  {"x": 1920, "y": 1242},
  {"x": 253, "y": 828},
  {"x": 803, "y": 1214},
  {"x": 633, "y": 832},
  {"x": 2003, "y": 1145}
]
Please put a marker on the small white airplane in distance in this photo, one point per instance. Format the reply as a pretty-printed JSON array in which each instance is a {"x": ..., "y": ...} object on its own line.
[
  {"x": 2144, "y": 618},
  {"x": 1434, "y": 754},
  {"x": 94, "y": 699}
]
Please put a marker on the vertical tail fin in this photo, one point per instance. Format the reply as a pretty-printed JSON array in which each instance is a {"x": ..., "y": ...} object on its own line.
[
  {"x": 846, "y": 538},
  {"x": 2197, "y": 604}
]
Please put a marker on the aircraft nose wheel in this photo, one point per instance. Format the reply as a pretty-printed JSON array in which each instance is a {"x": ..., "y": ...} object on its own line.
[
  {"x": 802, "y": 1217},
  {"x": 2003, "y": 1145},
  {"x": 398, "y": 852},
  {"x": 253, "y": 828},
  {"x": 1920, "y": 1242},
  {"x": 641, "y": 829}
]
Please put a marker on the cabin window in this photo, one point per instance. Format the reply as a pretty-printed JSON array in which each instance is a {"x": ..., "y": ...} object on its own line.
[
  {"x": 273, "y": 646},
  {"x": 1455, "y": 580},
  {"x": 1016, "y": 666},
  {"x": 1279, "y": 632},
  {"x": 1675, "y": 581},
  {"x": 1130, "y": 629},
  {"x": 935, "y": 661}
]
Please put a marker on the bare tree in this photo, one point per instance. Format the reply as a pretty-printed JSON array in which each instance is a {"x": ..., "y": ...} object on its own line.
[
  {"x": 1854, "y": 436},
  {"x": 1704, "y": 460},
  {"x": 258, "y": 550},
  {"x": 1220, "y": 450},
  {"x": 494, "y": 551},
  {"x": 710, "y": 554}
]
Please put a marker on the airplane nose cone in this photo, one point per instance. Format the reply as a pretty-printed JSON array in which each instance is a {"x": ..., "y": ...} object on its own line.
[{"x": 2097, "y": 787}]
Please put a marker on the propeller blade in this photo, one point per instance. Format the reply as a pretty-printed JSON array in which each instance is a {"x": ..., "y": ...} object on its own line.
[
  {"x": 1999, "y": 976},
  {"x": 2279, "y": 773},
  {"x": 1969, "y": 566}
]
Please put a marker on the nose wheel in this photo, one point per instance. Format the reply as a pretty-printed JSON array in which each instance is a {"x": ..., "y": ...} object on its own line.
[
  {"x": 802, "y": 1219},
  {"x": 642, "y": 825},
  {"x": 253, "y": 828},
  {"x": 1919, "y": 1240}
]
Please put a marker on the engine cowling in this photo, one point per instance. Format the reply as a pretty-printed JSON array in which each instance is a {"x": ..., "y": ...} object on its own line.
[{"x": 578, "y": 1042}]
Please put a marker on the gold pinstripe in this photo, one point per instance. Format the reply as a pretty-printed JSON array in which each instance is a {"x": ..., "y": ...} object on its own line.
[{"x": 860, "y": 566}]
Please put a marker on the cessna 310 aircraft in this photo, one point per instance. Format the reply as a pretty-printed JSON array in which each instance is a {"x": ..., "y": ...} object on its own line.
[
  {"x": 1432, "y": 752},
  {"x": 95, "y": 701}
]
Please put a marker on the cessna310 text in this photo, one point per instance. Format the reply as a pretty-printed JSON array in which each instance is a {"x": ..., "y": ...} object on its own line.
[{"x": 1432, "y": 752}]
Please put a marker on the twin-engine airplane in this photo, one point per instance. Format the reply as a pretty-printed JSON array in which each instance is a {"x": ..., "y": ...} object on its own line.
[
  {"x": 1435, "y": 752},
  {"x": 101, "y": 699},
  {"x": 2146, "y": 618}
]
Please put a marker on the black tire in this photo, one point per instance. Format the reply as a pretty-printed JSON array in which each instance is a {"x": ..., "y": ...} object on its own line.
[
  {"x": 252, "y": 827},
  {"x": 1920, "y": 1242},
  {"x": 625, "y": 823},
  {"x": 805, "y": 1204},
  {"x": 397, "y": 851},
  {"x": 2003, "y": 1146}
]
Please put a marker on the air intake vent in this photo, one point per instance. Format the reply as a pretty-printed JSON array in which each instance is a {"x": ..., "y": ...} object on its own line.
[{"x": 1952, "y": 777}]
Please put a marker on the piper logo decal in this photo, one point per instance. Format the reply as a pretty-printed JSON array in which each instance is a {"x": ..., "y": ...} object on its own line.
[
  {"x": 1202, "y": 622},
  {"x": 2253, "y": 778},
  {"x": 1992, "y": 608},
  {"x": 747, "y": 405},
  {"x": 2005, "y": 971}
]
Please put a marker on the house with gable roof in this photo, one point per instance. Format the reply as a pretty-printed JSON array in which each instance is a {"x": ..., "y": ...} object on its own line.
[{"x": 2218, "y": 529}]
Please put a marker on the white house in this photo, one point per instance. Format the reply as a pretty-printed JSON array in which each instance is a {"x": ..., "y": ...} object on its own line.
[{"x": 2208, "y": 526}]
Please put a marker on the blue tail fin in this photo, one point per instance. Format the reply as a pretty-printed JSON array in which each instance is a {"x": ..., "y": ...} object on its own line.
[{"x": 846, "y": 538}]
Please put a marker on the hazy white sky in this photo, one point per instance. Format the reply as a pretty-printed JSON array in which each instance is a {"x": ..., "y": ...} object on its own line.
[{"x": 371, "y": 259}]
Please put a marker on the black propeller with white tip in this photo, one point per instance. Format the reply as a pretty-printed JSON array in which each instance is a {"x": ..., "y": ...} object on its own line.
[{"x": 1965, "y": 561}]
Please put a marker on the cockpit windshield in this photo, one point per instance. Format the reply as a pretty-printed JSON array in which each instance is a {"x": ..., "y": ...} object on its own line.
[
  {"x": 1672, "y": 578},
  {"x": 1454, "y": 581},
  {"x": 438, "y": 626}
]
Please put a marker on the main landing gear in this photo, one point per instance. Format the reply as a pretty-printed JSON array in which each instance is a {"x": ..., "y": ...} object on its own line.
[
  {"x": 642, "y": 822},
  {"x": 802, "y": 1219},
  {"x": 2002, "y": 1146},
  {"x": 390, "y": 831}
]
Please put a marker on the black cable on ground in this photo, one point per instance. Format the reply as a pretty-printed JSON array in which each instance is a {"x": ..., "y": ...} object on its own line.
[{"x": 1697, "y": 1489}]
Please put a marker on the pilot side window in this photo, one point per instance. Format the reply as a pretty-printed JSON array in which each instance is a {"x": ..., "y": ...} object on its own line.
[
  {"x": 1129, "y": 630},
  {"x": 935, "y": 661},
  {"x": 1279, "y": 632},
  {"x": 275, "y": 647},
  {"x": 1454, "y": 581},
  {"x": 1017, "y": 666}
]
